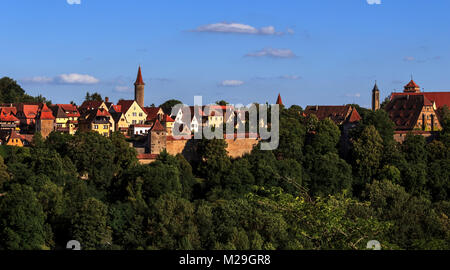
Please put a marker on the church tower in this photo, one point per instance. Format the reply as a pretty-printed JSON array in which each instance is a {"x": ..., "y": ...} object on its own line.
[
  {"x": 139, "y": 89},
  {"x": 375, "y": 98}
]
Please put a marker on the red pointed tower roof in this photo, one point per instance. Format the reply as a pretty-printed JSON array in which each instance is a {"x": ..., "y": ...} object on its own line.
[
  {"x": 157, "y": 126},
  {"x": 46, "y": 113},
  {"x": 279, "y": 102},
  {"x": 139, "y": 80}
]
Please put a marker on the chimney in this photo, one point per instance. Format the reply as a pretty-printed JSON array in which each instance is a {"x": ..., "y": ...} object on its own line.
[
  {"x": 317, "y": 107},
  {"x": 106, "y": 99}
]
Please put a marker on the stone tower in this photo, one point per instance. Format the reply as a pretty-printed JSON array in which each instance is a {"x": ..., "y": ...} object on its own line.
[
  {"x": 157, "y": 138},
  {"x": 45, "y": 121},
  {"x": 139, "y": 89},
  {"x": 375, "y": 98}
]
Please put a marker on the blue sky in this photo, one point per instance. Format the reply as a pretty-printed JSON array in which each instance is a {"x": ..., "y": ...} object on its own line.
[{"x": 311, "y": 51}]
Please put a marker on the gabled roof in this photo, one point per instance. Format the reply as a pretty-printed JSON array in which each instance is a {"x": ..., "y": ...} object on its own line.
[
  {"x": 126, "y": 104},
  {"x": 96, "y": 115},
  {"x": 152, "y": 112},
  {"x": 354, "y": 116},
  {"x": 102, "y": 112},
  {"x": 116, "y": 116},
  {"x": 45, "y": 113},
  {"x": 92, "y": 104},
  {"x": 12, "y": 110},
  {"x": 8, "y": 117},
  {"x": 338, "y": 114},
  {"x": 405, "y": 110},
  {"x": 139, "y": 80},
  {"x": 157, "y": 126},
  {"x": 440, "y": 98},
  {"x": 28, "y": 111},
  {"x": 58, "y": 112},
  {"x": 70, "y": 110}
]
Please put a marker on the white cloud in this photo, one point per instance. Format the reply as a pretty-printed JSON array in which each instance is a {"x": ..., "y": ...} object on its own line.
[
  {"x": 74, "y": 2},
  {"x": 75, "y": 78},
  {"x": 231, "y": 83},
  {"x": 270, "y": 52},
  {"x": 237, "y": 28},
  {"x": 374, "y": 2},
  {"x": 38, "y": 79},
  {"x": 72, "y": 78}
]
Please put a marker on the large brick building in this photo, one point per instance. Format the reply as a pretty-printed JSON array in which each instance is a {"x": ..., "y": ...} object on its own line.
[{"x": 417, "y": 112}]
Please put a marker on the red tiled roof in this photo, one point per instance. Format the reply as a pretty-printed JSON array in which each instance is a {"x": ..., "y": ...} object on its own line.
[
  {"x": 8, "y": 117},
  {"x": 102, "y": 112},
  {"x": 70, "y": 109},
  {"x": 125, "y": 105},
  {"x": 338, "y": 114},
  {"x": 45, "y": 113},
  {"x": 279, "y": 101},
  {"x": 152, "y": 113},
  {"x": 93, "y": 104},
  {"x": 167, "y": 118},
  {"x": 441, "y": 98},
  {"x": 12, "y": 110},
  {"x": 117, "y": 108},
  {"x": 412, "y": 84},
  {"x": 139, "y": 80},
  {"x": 29, "y": 111},
  {"x": 404, "y": 110},
  {"x": 158, "y": 127},
  {"x": 354, "y": 117}
]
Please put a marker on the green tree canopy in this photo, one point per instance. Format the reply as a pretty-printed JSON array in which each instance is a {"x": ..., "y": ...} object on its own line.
[
  {"x": 168, "y": 105},
  {"x": 22, "y": 220}
]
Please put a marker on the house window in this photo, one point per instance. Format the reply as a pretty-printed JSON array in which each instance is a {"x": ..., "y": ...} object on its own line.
[
  {"x": 134, "y": 114},
  {"x": 141, "y": 122},
  {"x": 140, "y": 114},
  {"x": 134, "y": 121},
  {"x": 105, "y": 127},
  {"x": 95, "y": 126}
]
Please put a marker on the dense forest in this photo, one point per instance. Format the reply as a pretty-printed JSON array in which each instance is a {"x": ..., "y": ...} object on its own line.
[{"x": 307, "y": 194}]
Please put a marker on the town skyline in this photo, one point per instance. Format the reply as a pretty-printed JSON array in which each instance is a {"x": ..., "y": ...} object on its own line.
[{"x": 312, "y": 52}]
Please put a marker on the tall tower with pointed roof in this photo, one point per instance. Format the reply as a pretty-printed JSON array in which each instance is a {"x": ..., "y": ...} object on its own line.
[
  {"x": 45, "y": 121},
  {"x": 375, "y": 98},
  {"x": 279, "y": 101},
  {"x": 139, "y": 89},
  {"x": 157, "y": 138}
]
